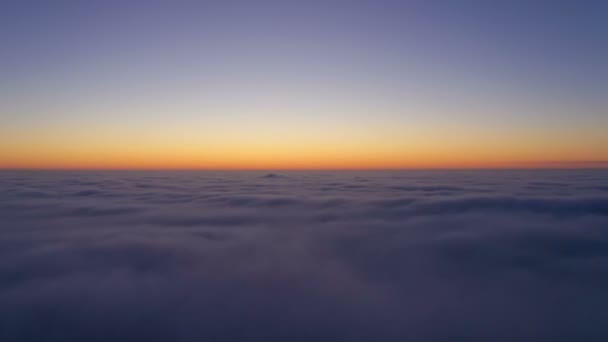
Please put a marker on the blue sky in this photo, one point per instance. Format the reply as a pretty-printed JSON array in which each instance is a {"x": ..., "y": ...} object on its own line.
[{"x": 530, "y": 73}]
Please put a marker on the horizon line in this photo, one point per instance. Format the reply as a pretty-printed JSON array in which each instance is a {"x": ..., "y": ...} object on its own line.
[{"x": 548, "y": 167}]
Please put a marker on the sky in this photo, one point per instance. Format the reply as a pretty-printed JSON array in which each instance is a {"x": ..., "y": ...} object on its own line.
[{"x": 303, "y": 84}]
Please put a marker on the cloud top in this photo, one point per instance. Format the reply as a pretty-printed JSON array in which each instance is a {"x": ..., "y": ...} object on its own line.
[{"x": 304, "y": 256}]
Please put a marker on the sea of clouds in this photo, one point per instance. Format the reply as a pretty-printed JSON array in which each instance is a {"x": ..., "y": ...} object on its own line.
[{"x": 304, "y": 256}]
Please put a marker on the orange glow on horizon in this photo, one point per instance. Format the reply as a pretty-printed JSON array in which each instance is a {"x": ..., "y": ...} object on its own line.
[
  {"x": 277, "y": 161},
  {"x": 303, "y": 147}
]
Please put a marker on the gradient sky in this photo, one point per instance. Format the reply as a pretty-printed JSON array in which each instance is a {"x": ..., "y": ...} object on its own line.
[{"x": 303, "y": 84}]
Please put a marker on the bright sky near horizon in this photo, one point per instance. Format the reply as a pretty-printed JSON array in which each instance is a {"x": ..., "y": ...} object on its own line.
[{"x": 303, "y": 84}]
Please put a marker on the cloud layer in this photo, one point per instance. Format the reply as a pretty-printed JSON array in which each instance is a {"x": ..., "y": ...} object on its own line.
[{"x": 304, "y": 256}]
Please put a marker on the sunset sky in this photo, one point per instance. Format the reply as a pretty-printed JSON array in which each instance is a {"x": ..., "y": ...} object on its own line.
[{"x": 303, "y": 84}]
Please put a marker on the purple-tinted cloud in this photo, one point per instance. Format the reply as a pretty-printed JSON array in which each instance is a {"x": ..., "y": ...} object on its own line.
[{"x": 304, "y": 256}]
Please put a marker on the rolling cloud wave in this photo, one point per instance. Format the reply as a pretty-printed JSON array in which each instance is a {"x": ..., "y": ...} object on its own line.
[{"x": 304, "y": 256}]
